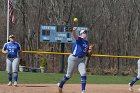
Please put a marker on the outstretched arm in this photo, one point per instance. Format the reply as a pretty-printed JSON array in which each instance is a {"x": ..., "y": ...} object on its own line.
[{"x": 74, "y": 33}]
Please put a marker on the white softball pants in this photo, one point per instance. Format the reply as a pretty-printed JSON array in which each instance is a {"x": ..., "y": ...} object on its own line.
[
  {"x": 74, "y": 62},
  {"x": 12, "y": 64}
]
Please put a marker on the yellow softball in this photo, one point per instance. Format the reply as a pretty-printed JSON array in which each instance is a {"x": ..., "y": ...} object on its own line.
[{"x": 75, "y": 20}]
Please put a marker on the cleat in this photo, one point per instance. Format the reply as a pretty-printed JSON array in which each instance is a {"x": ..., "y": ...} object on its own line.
[
  {"x": 15, "y": 83},
  {"x": 59, "y": 89},
  {"x": 83, "y": 91},
  {"x": 130, "y": 88},
  {"x": 10, "y": 83}
]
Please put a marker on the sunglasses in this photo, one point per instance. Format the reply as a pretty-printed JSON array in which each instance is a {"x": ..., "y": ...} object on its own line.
[{"x": 85, "y": 32}]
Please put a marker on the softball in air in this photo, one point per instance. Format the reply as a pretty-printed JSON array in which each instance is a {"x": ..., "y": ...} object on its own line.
[{"x": 75, "y": 20}]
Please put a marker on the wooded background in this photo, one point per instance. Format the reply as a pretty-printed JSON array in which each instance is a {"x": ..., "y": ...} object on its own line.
[{"x": 113, "y": 29}]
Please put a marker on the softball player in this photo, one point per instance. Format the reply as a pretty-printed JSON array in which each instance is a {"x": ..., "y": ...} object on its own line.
[
  {"x": 12, "y": 49},
  {"x": 77, "y": 59},
  {"x": 136, "y": 78}
]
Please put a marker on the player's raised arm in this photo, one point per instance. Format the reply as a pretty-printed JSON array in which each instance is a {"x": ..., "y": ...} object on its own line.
[{"x": 74, "y": 33}]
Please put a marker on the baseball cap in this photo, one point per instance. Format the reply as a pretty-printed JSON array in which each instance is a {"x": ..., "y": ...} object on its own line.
[
  {"x": 11, "y": 36},
  {"x": 83, "y": 31}
]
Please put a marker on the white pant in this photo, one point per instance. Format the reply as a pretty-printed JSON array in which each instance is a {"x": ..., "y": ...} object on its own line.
[
  {"x": 138, "y": 76},
  {"x": 74, "y": 62},
  {"x": 12, "y": 64}
]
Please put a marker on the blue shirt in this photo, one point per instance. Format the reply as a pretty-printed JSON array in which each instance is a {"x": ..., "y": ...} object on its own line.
[
  {"x": 13, "y": 49},
  {"x": 80, "y": 47}
]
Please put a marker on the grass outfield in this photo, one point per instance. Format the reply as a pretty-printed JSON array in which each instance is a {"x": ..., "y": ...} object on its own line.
[{"x": 53, "y": 78}]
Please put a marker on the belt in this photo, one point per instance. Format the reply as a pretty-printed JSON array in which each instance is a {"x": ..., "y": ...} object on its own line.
[{"x": 78, "y": 56}]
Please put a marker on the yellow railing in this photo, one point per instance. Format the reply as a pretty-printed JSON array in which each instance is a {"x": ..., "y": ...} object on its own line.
[{"x": 94, "y": 55}]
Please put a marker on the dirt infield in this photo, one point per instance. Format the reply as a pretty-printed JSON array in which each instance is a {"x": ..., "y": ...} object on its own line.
[{"x": 69, "y": 88}]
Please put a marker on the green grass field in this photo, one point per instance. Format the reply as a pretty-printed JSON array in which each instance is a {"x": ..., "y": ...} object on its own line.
[{"x": 53, "y": 78}]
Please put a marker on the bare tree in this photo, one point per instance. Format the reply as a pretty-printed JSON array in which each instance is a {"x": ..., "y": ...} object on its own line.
[{"x": 113, "y": 28}]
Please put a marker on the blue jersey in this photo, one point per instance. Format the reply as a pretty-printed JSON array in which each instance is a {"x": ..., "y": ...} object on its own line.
[
  {"x": 80, "y": 47},
  {"x": 13, "y": 49}
]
